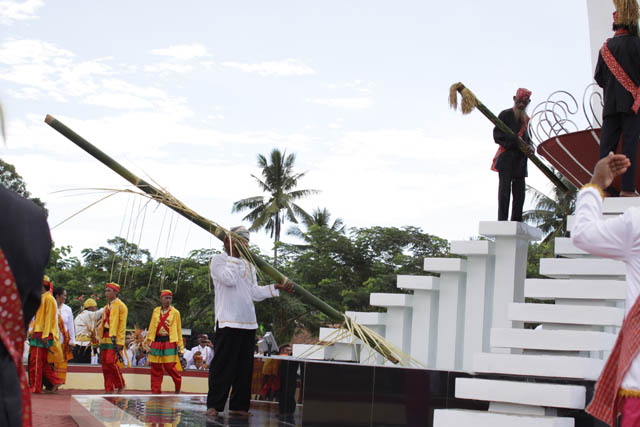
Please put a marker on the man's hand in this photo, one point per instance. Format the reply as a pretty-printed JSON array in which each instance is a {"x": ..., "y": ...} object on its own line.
[
  {"x": 608, "y": 168},
  {"x": 286, "y": 286}
]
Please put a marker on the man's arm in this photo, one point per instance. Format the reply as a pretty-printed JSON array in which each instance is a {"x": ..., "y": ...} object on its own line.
[
  {"x": 507, "y": 141},
  {"x": 223, "y": 269},
  {"x": 607, "y": 238},
  {"x": 70, "y": 326},
  {"x": 598, "y": 76}
]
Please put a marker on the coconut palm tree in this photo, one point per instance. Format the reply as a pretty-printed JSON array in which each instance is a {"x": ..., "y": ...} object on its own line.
[
  {"x": 279, "y": 181},
  {"x": 320, "y": 218},
  {"x": 550, "y": 213}
]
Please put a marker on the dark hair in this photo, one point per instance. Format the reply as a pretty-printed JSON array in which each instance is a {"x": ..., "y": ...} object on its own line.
[
  {"x": 632, "y": 28},
  {"x": 57, "y": 290}
]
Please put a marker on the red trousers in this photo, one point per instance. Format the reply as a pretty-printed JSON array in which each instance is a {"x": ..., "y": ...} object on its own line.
[
  {"x": 630, "y": 408},
  {"x": 113, "y": 379},
  {"x": 157, "y": 372},
  {"x": 39, "y": 368}
]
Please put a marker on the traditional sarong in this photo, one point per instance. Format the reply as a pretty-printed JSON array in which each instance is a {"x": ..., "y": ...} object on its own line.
[
  {"x": 163, "y": 357},
  {"x": 113, "y": 379}
]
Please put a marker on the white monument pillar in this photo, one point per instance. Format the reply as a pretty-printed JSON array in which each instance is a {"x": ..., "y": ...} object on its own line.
[
  {"x": 479, "y": 298},
  {"x": 511, "y": 246}
]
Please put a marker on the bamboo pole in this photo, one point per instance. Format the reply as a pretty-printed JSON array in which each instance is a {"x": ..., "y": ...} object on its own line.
[{"x": 470, "y": 101}]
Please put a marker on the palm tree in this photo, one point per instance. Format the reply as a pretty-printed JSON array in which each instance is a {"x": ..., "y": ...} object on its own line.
[
  {"x": 550, "y": 214},
  {"x": 279, "y": 181},
  {"x": 319, "y": 218}
]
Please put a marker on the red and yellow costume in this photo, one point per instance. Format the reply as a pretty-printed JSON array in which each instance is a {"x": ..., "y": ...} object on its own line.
[
  {"x": 112, "y": 328},
  {"x": 61, "y": 352},
  {"x": 165, "y": 336},
  {"x": 41, "y": 341}
]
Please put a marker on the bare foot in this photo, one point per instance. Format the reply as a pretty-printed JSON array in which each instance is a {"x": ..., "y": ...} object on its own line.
[
  {"x": 120, "y": 390},
  {"x": 628, "y": 194},
  {"x": 211, "y": 412},
  {"x": 240, "y": 413}
]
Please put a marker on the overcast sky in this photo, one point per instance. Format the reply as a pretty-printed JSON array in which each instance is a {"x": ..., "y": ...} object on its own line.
[{"x": 188, "y": 93}]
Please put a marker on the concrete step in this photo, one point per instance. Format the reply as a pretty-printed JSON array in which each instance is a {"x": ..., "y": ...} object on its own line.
[
  {"x": 418, "y": 283},
  {"x": 564, "y": 247},
  {"x": 373, "y": 318},
  {"x": 538, "y": 365},
  {"x": 569, "y": 314},
  {"x": 551, "y": 289},
  {"x": 571, "y": 219},
  {"x": 472, "y": 247},
  {"x": 563, "y": 268},
  {"x": 390, "y": 300},
  {"x": 338, "y": 351},
  {"x": 509, "y": 228},
  {"x": 520, "y": 392},
  {"x": 465, "y": 417},
  {"x": 445, "y": 265},
  {"x": 538, "y": 339}
]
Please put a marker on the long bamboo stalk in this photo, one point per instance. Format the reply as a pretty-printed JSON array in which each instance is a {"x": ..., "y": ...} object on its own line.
[
  {"x": 366, "y": 335},
  {"x": 469, "y": 101}
]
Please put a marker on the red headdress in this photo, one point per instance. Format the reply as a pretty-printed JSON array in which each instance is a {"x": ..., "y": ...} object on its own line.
[
  {"x": 165, "y": 292},
  {"x": 113, "y": 286},
  {"x": 523, "y": 93}
]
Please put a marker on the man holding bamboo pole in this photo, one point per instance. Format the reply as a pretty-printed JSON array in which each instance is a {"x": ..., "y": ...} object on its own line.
[
  {"x": 510, "y": 161},
  {"x": 236, "y": 288}
]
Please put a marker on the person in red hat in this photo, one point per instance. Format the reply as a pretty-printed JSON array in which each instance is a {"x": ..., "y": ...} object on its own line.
[
  {"x": 510, "y": 161},
  {"x": 41, "y": 341},
  {"x": 618, "y": 74},
  {"x": 112, "y": 334},
  {"x": 165, "y": 337}
]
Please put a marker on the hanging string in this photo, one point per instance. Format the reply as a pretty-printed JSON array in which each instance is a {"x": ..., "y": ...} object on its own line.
[
  {"x": 153, "y": 264},
  {"x": 124, "y": 217},
  {"x": 126, "y": 241},
  {"x": 170, "y": 234},
  {"x": 184, "y": 251},
  {"x": 144, "y": 217}
]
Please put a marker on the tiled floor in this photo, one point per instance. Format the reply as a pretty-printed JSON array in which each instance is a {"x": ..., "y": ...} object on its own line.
[{"x": 179, "y": 410}]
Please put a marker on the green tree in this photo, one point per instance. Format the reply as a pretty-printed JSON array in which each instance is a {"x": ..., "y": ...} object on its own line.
[
  {"x": 550, "y": 213},
  {"x": 279, "y": 181},
  {"x": 12, "y": 180}
]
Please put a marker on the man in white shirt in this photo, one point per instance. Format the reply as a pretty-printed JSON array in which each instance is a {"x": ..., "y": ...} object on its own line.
[
  {"x": 618, "y": 387},
  {"x": 86, "y": 325},
  {"x": 67, "y": 334},
  {"x": 205, "y": 347},
  {"x": 236, "y": 288}
]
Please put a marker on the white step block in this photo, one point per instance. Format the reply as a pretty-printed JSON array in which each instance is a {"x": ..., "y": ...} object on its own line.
[
  {"x": 341, "y": 352},
  {"x": 538, "y": 365},
  {"x": 563, "y": 246},
  {"x": 575, "y": 289},
  {"x": 563, "y": 268},
  {"x": 368, "y": 319},
  {"x": 570, "y": 314},
  {"x": 538, "y": 339},
  {"x": 618, "y": 205},
  {"x": 308, "y": 351},
  {"x": 516, "y": 409},
  {"x": 390, "y": 300},
  {"x": 337, "y": 336},
  {"x": 465, "y": 417},
  {"x": 509, "y": 228},
  {"x": 418, "y": 283},
  {"x": 472, "y": 247},
  {"x": 520, "y": 392},
  {"x": 445, "y": 265}
]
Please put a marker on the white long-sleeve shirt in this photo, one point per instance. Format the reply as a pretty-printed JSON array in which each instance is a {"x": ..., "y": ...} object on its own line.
[
  {"x": 84, "y": 323},
  {"x": 236, "y": 287},
  {"x": 616, "y": 238},
  {"x": 67, "y": 319},
  {"x": 206, "y": 352}
]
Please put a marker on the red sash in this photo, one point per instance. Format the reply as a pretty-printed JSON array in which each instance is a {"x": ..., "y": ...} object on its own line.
[
  {"x": 12, "y": 331},
  {"x": 621, "y": 76},
  {"x": 107, "y": 314},
  {"x": 501, "y": 149},
  {"x": 605, "y": 403},
  {"x": 162, "y": 323}
]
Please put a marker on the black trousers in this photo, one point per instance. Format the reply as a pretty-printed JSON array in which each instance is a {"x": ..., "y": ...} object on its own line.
[
  {"x": 232, "y": 367},
  {"x": 508, "y": 185},
  {"x": 627, "y": 124},
  {"x": 82, "y": 354}
]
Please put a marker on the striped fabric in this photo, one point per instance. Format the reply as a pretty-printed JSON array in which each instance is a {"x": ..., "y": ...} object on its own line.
[
  {"x": 163, "y": 351},
  {"x": 606, "y": 400}
]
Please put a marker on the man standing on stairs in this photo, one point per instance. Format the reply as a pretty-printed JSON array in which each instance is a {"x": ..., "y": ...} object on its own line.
[
  {"x": 618, "y": 74},
  {"x": 510, "y": 162},
  {"x": 618, "y": 388}
]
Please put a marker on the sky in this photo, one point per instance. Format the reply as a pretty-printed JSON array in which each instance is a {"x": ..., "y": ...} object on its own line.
[{"x": 189, "y": 94}]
